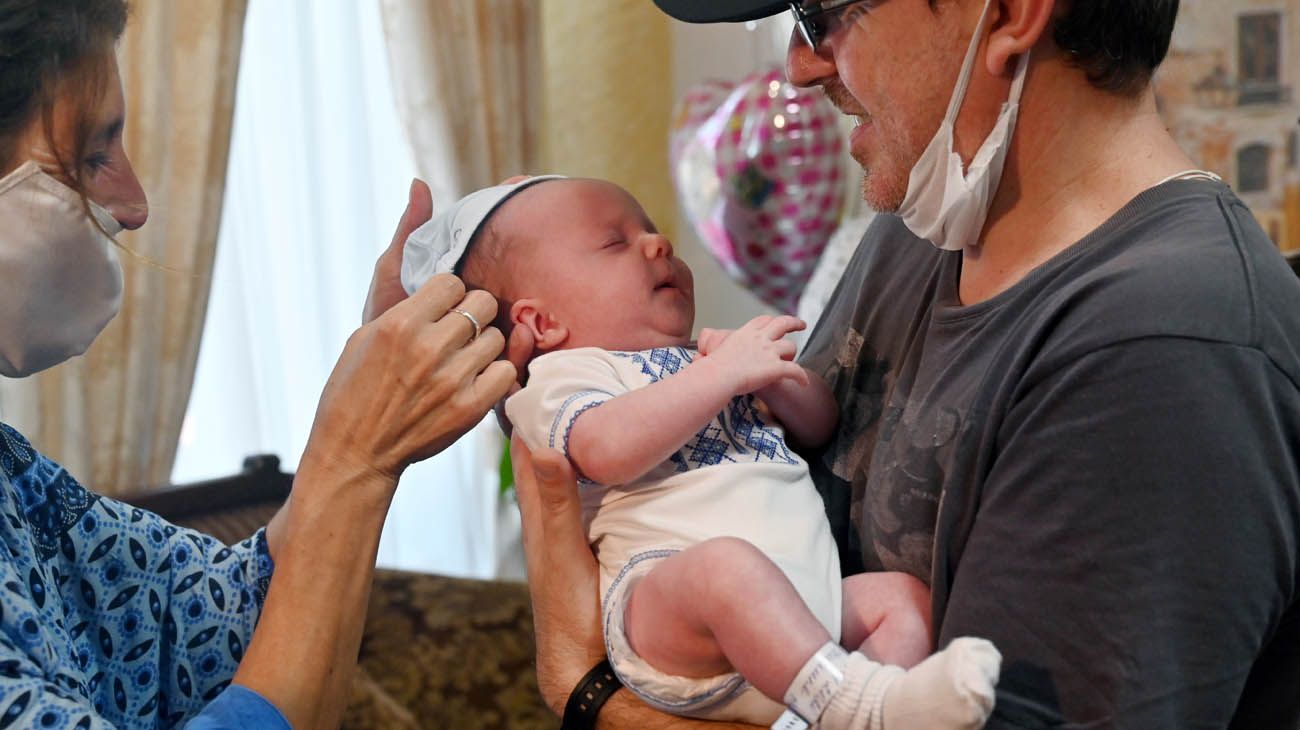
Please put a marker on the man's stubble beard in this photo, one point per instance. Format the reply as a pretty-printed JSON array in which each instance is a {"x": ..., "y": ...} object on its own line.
[{"x": 888, "y": 199}]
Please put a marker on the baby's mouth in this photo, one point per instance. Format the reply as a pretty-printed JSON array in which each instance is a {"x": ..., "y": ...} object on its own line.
[{"x": 667, "y": 282}]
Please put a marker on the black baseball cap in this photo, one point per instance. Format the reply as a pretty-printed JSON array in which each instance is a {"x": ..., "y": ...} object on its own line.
[{"x": 721, "y": 11}]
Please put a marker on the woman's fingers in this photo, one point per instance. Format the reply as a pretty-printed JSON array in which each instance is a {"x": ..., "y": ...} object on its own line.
[
  {"x": 456, "y": 325},
  {"x": 413, "y": 381},
  {"x": 386, "y": 284},
  {"x": 491, "y": 385},
  {"x": 433, "y": 300},
  {"x": 519, "y": 350},
  {"x": 476, "y": 366}
]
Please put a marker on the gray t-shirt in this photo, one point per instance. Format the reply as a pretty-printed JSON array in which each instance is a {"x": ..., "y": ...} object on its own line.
[{"x": 1096, "y": 469}]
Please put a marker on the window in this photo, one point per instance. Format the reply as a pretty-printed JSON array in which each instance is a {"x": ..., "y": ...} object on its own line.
[
  {"x": 1252, "y": 168},
  {"x": 318, "y": 176},
  {"x": 1259, "y": 54}
]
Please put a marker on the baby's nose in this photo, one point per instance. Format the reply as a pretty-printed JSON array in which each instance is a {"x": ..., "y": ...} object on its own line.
[{"x": 658, "y": 245}]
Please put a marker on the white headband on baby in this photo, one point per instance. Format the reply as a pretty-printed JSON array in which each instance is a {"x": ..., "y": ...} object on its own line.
[{"x": 438, "y": 246}]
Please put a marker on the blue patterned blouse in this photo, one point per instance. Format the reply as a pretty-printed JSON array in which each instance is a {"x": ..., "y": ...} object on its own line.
[{"x": 110, "y": 616}]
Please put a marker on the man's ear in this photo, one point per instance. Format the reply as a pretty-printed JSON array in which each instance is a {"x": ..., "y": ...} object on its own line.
[
  {"x": 1016, "y": 27},
  {"x": 548, "y": 332}
]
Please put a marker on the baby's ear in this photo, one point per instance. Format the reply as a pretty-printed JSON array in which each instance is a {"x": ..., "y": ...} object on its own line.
[{"x": 548, "y": 333}]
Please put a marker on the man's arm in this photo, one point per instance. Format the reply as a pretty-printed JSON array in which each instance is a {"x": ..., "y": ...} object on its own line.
[
  {"x": 624, "y": 711},
  {"x": 566, "y": 602}
]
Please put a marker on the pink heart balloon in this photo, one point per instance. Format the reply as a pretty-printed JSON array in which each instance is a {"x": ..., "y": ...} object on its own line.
[{"x": 759, "y": 169}]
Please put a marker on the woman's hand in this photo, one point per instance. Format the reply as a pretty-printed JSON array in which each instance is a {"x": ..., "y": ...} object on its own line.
[
  {"x": 519, "y": 351},
  {"x": 386, "y": 284},
  {"x": 562, "y": 575},
  {"x": 412, "y": 381}
]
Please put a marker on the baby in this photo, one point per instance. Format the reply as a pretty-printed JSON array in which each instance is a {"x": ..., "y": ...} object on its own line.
[{"x": 722, "y": 596}]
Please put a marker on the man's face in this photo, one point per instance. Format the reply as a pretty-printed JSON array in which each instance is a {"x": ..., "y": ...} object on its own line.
[
  {"x": 596, "y": 263},
  {"x": 892, "y": 64}
]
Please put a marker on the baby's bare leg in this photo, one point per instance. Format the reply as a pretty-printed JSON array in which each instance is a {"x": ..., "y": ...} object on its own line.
[
  {"x": 719, "y": 606},
  {"x": 887, "y": 617}
]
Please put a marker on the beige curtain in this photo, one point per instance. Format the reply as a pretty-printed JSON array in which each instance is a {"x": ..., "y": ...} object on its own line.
[
  {"x": 113, "y": 417},
  {"x": 465, "y": 75}
]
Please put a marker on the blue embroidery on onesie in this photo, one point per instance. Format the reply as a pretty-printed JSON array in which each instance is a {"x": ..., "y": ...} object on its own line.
[
  {"x": 661, "y": 361},
  {"x": 737, "y": 434},
  {"x": 757, "y": 435}
]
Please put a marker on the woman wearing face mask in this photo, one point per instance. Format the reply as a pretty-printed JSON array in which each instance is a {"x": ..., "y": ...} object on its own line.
[{"x": 110, "y": 616}]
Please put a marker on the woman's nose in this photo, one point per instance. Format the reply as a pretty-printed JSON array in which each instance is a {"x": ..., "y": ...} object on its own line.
[
  {"x": 804, "y": 66},
  {"x": 120, "y": 193}
]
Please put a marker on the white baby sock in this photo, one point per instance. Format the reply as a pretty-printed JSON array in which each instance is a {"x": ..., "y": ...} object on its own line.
[{"x": 950, "y": 690}]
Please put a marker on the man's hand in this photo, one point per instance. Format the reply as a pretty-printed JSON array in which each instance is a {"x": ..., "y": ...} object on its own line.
[
  {"x": 386, "y": 284},
  {"x": 562, "y": 576}
]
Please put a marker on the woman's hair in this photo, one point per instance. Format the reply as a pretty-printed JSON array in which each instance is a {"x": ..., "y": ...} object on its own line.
[{"x": 53, "y": 50}]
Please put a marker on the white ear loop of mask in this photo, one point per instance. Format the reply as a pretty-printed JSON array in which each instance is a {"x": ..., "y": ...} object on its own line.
[{"x": 947, "y": 202}]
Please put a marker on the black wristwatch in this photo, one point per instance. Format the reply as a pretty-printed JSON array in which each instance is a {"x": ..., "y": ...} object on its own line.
[{"x": 587, "y": 698}]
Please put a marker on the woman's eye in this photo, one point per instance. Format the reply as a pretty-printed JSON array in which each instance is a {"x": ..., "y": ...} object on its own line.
[{"x": 97, "y": 161}]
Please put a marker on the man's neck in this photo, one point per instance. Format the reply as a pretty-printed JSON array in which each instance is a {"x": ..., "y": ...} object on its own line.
[{"x": 1077, "y": 157}]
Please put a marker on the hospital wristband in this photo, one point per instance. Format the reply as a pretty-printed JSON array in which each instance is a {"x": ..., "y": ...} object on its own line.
[{"x": 587, "y": 698}]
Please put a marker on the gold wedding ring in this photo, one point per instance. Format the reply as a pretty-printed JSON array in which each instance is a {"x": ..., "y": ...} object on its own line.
[{"x": 478, "y": 328}]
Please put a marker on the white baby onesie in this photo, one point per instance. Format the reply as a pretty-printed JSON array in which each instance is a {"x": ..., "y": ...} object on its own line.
[{"x": 735, "y": 477}]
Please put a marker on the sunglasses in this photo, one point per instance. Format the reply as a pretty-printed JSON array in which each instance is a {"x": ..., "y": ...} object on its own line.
[{"x": 817, "y": 23}]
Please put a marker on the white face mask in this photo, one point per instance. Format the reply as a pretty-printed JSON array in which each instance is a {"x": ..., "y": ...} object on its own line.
[
  {"x": 60, "y": 278},
  {"x": 945, "y": 203}
]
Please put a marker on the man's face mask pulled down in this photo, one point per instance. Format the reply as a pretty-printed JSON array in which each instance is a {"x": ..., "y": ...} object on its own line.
[
  {"x": 60, "y": 277},
  {"x": 947, "y": 203}
]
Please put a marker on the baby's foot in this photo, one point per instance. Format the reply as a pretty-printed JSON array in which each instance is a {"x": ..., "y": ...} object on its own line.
[{"x": 950, "y": 690}]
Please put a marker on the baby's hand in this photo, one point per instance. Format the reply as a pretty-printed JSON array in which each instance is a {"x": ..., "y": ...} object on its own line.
[
  {"x": 710, "y": 339},
  {"x": 756, "y": 355}
]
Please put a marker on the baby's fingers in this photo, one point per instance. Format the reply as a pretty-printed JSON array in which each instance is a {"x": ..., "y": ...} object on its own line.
[
  {"x": 706, "y": 341},
  {"x": 758, "y": 323},
  {"x": 783, "y": 325},
  {"x": 797, "y": 373},
  {"x": 785, "y": 349}
]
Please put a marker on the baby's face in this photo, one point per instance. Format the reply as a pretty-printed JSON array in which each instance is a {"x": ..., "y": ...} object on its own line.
[{"x": 596, "y": 263}]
